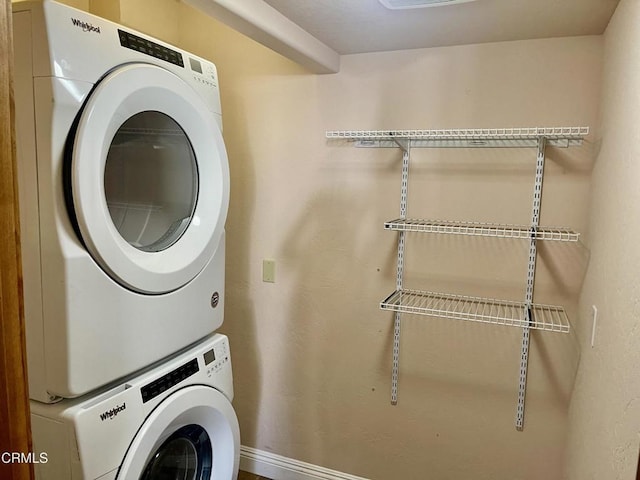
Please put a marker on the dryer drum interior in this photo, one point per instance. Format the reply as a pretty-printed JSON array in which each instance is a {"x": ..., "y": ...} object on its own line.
[{"x": 151, "y": 181}]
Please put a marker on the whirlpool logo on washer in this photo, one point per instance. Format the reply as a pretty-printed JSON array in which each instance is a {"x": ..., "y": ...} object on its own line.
[
  {"x": 110, "y": 414},
  {"x": 86, "y": 27}
]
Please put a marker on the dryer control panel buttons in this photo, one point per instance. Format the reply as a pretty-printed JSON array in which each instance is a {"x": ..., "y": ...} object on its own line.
[
  {"x": 204, "y": 73},
  {"x": 139, "y": 44}
]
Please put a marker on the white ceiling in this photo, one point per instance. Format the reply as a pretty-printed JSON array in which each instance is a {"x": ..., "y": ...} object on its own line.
[{"x": 359, "y": 26}]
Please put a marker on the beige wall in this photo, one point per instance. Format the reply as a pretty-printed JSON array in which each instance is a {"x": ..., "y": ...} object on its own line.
[
  {"x": 312, "y": 352},
  {"x": 605, "y": 409}
]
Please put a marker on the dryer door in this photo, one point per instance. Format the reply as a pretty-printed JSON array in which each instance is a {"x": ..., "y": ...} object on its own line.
[
  {"x": 149, "y": 179},
  {"x": 192, "y": 434}
]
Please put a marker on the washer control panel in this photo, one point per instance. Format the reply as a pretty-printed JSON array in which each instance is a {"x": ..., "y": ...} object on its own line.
[
  {"x": 164, "y": 383},
  {"x": 217, "y": 358},
  {"x": 212, "y": 360}
]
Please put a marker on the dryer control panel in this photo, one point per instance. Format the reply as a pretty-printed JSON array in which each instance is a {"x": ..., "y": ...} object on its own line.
[
  {"x": 204, "y": 73},
  {"x": 148, "y": 47},
  {"x": 200, "y": 73}
]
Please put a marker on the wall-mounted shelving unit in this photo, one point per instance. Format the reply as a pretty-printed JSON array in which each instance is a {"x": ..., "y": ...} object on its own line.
[{"x": 525, "y": 314}]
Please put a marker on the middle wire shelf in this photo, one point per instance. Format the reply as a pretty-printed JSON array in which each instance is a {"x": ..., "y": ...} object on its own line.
[
  {"x": 482, "y": 229},
  {"x": 549, "y": 318}
]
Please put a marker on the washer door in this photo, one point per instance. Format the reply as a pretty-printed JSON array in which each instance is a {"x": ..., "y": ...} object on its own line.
[
  {"x": 192, "y": 435},
  {"x": 149, "y": 179}
]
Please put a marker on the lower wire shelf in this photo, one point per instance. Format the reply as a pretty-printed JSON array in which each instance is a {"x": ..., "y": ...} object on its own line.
[{"x": 484, "y": 310}]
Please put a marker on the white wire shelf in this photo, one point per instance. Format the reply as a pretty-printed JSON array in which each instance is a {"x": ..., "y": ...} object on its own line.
[
  {"x": 482, "y": 229},
  {"x": 465, "y": 138},
  {"x": 475, "y": 309}
]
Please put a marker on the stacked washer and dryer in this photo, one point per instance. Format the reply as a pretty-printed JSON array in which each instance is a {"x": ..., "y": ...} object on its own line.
[{"x": 124, "y": 189}]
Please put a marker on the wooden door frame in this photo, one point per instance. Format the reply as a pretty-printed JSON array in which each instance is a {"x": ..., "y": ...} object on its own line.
[{"x": 15, "y": 428}]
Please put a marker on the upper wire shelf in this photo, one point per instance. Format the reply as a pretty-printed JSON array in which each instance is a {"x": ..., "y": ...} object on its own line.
[
  {"x": 482, "y": 229},
  {"x": 465, "y": 138}
]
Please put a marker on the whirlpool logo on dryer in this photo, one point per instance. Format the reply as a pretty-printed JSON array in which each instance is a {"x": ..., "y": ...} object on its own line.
[
  {"x": 110, "y": 414},
  {"x": 86, "y": 27}
]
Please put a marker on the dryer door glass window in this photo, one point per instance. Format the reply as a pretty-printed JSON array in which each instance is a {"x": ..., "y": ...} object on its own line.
[
  {"x": 151, "y": 181},
  {"x": 185, "y": 455}
]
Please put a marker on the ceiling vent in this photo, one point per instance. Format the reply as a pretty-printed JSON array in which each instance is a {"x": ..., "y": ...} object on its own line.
[{"x": 402, "y": 4}]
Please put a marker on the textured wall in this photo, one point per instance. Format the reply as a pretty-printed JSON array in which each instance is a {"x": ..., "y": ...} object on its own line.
[
  {"x": 312, "y": 352},
  {"x": 605, "y": 409}
]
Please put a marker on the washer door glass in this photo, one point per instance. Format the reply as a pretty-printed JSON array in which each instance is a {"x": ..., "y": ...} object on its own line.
[
  {"x": 151, "y": 181},
  {"x": 191, "y": 434},
  {"x": 185, "y": 455}
]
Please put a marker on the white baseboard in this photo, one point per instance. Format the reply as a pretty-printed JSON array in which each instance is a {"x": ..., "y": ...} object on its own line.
[{"x": 278, "y": 467}]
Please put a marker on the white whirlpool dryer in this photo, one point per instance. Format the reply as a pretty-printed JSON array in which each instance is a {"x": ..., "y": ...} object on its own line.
[
  {"x": 124, "y": 190},
  {"x": 172, "y": 422}
]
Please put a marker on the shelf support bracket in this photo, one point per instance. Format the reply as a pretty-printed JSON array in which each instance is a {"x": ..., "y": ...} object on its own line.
[
  {"x": 531, "y": 274},
  {"x": 403, "y": 143},
  {"x": 404, "y": 191}
]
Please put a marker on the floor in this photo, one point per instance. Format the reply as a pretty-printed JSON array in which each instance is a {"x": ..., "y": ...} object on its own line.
[{"x": 250, "y": 476}]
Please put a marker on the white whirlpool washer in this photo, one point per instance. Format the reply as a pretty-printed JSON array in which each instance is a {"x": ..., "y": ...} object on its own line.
[
  {"x": 124, "y": 191},
  {"x": 174, "y": 421}
]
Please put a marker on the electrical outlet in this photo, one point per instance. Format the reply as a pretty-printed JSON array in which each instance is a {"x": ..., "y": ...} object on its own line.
[{"x": 269, "y": 271}]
